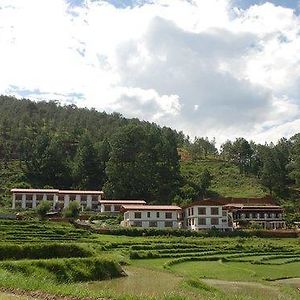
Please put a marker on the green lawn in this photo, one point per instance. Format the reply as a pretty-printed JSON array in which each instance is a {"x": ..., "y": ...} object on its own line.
[{"x": 168, "y": 268}]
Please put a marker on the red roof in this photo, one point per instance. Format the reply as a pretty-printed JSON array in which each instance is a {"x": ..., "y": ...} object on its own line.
[
  {"x": 229, "y": 201},
  {"x": 44, "y": 191},
  {"x": 150, "y": 207},
  {"x": 81, "y": 192},
  {"x": 55, "y": 191},
  {"x": 122, "y": 202}
]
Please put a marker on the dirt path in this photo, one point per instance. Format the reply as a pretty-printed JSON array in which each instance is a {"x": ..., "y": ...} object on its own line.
[{"x": 17, "y": 294}]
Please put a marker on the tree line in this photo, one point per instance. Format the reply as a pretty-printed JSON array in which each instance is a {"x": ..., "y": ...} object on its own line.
[{"x": 65, "y": 147}]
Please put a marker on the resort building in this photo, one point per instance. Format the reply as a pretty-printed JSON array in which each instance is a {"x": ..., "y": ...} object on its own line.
[
  {"x": 160, "y": 216},
  {"x": 88, "y": 199},
  {"x": 233, "y": 213},
  {"x": 30, "y": 198},
  {"x": 206, "y": 214},
  {"x": 263, "y": 212},
  {"x": 114, "y": 206}
]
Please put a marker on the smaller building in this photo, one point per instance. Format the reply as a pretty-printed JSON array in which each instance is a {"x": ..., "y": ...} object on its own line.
[
  {"x": 206, "y": 214},
  {"x": 160, "y": 216},
  {"x": 114, "y": 206}
]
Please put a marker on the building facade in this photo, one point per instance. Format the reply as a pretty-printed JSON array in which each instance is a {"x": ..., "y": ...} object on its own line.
[
  {"x": 233, "y": 213},
  {"x": 206, "y": 214},
  {"x": 159, "y": 216},
  {"x": 30, "y": 198},
  {"x": 114, "y": 206}
]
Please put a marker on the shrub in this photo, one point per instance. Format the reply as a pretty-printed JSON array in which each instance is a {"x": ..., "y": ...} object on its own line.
[
  {"x": 43, "y": 208},
  {"x": 73, "y": 209}
]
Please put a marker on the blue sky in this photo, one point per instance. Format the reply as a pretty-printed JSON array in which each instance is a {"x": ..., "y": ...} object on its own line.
[{"x": 240, "y": 3}]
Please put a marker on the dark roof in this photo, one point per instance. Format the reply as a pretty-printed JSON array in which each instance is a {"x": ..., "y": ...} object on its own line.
[{"x": 228, "y": 201}]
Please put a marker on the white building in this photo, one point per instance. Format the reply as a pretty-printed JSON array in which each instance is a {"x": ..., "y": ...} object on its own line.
[
  {"x": 160, "y": 216},
  {"x": 30, "y": 198},
  {"x": 114, "y": 206},
  {"x": 87, "y": 199},
  {"x": 206, "y": 214}
]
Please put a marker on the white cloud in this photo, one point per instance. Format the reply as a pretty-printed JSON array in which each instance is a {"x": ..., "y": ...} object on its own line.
[{"x": 201, "y": 66}]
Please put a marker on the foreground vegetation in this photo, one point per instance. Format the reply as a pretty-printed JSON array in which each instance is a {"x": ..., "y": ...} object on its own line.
[{"x": 157, "y": 267}]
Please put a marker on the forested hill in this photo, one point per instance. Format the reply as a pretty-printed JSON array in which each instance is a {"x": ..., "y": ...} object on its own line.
[
  {"x": 45, "y": 144},
  {"x": 69, "y": 147}
]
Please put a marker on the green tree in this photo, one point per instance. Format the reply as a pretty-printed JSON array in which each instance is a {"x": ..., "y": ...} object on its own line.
[
  {"x": 294, "y": 164},
  {"x": 241, "y": 154},
  {"x": 202, "y": 147},
  {"x": 86, "y": 165},
  {"x": 42, "y": 209}
]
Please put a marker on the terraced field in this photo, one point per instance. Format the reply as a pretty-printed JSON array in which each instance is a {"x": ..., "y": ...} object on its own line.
[{"x": 156, "y": 267}]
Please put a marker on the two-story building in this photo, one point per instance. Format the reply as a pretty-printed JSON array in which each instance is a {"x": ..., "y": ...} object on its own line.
[
  {"x": 206, "y": 214},
  {"x": 30, "y": 198},
  {"x": 233, "y": 213},
  {"x": 160, "y": 216}
]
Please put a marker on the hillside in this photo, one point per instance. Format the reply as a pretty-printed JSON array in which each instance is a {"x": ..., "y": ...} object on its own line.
[{"x": 227, "y": 180}]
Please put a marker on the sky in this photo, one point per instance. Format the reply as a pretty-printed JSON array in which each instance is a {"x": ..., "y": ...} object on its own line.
[{"x": 216, "y": 68}]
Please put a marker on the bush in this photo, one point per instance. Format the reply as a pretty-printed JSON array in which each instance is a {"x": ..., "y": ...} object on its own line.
[
  {"x": 43, "y": 208},
  {"x": 73, "y": 209}
]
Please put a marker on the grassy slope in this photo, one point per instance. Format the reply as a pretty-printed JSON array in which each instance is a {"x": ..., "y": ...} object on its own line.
[{"x": 227, "y": 181}]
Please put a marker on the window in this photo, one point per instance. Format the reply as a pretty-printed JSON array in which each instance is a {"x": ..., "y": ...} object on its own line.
[
  {"x": 29, "y": 197},
  {"x": 107, "y": 208},
  {"x": 18, "y": 197},
  {"x": 214, "y": 221},
  {"x": 262, "y": 215},
  {"x": 214, "y": 211},
  {"x": 157, "y": 214},
  {"x": 247, "y": 215},
  {"x": 152, "y": 224},
  {"x": 72, "y": 197},
  {"x": 138, "y": 215},
  {"x": 39, "y": 197},
  {"x": 201, "y": 210},
  {"x": 148, "y": 214},
  {"x": 254, "y": 216},
  {"x": 168, "y": 224},
  {"x": 60, "y": 198},
  {"x": 224, "y": 220},
  {"x": 201, "y": 221},
  {"x": 83, "y": 198},
  {"x": 95, "y": 198},
  {"x": 137, "y": 224},
  {"x": 224, "y": 213},
  {"x": 168, "y": 215},
  {"x": 192, "y": 211},
  {"x": 193, "y": 221},
  {"x": 117, "y": 207}
]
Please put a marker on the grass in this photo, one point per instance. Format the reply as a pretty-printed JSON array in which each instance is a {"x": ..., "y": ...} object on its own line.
[
  {"x": 182, "y": 267},
  {"x": 227, "y": 180}
]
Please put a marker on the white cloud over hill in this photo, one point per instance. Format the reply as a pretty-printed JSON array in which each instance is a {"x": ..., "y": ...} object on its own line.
[{"x": 202, "y": 66}]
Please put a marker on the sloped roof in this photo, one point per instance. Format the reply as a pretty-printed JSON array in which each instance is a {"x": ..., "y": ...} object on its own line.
[
  {"x": 113, "y": 201},
  {"x": 150, "y": 207},
  {"x": 230, "y": 201}
]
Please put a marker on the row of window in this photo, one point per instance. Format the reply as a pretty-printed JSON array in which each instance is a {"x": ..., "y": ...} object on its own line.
[
  {"x": 153, "y": 224},
  {"x": 257, "y": 215},
  {"x": 39, "y": 197},
  {"x": 138, "y": 215},
  {"x": 214, "y": 211},
  {"x": 203, "y": 221}
]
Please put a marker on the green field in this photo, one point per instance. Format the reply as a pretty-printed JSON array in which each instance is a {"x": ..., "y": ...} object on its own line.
[{"x": 56, "y": 258}]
